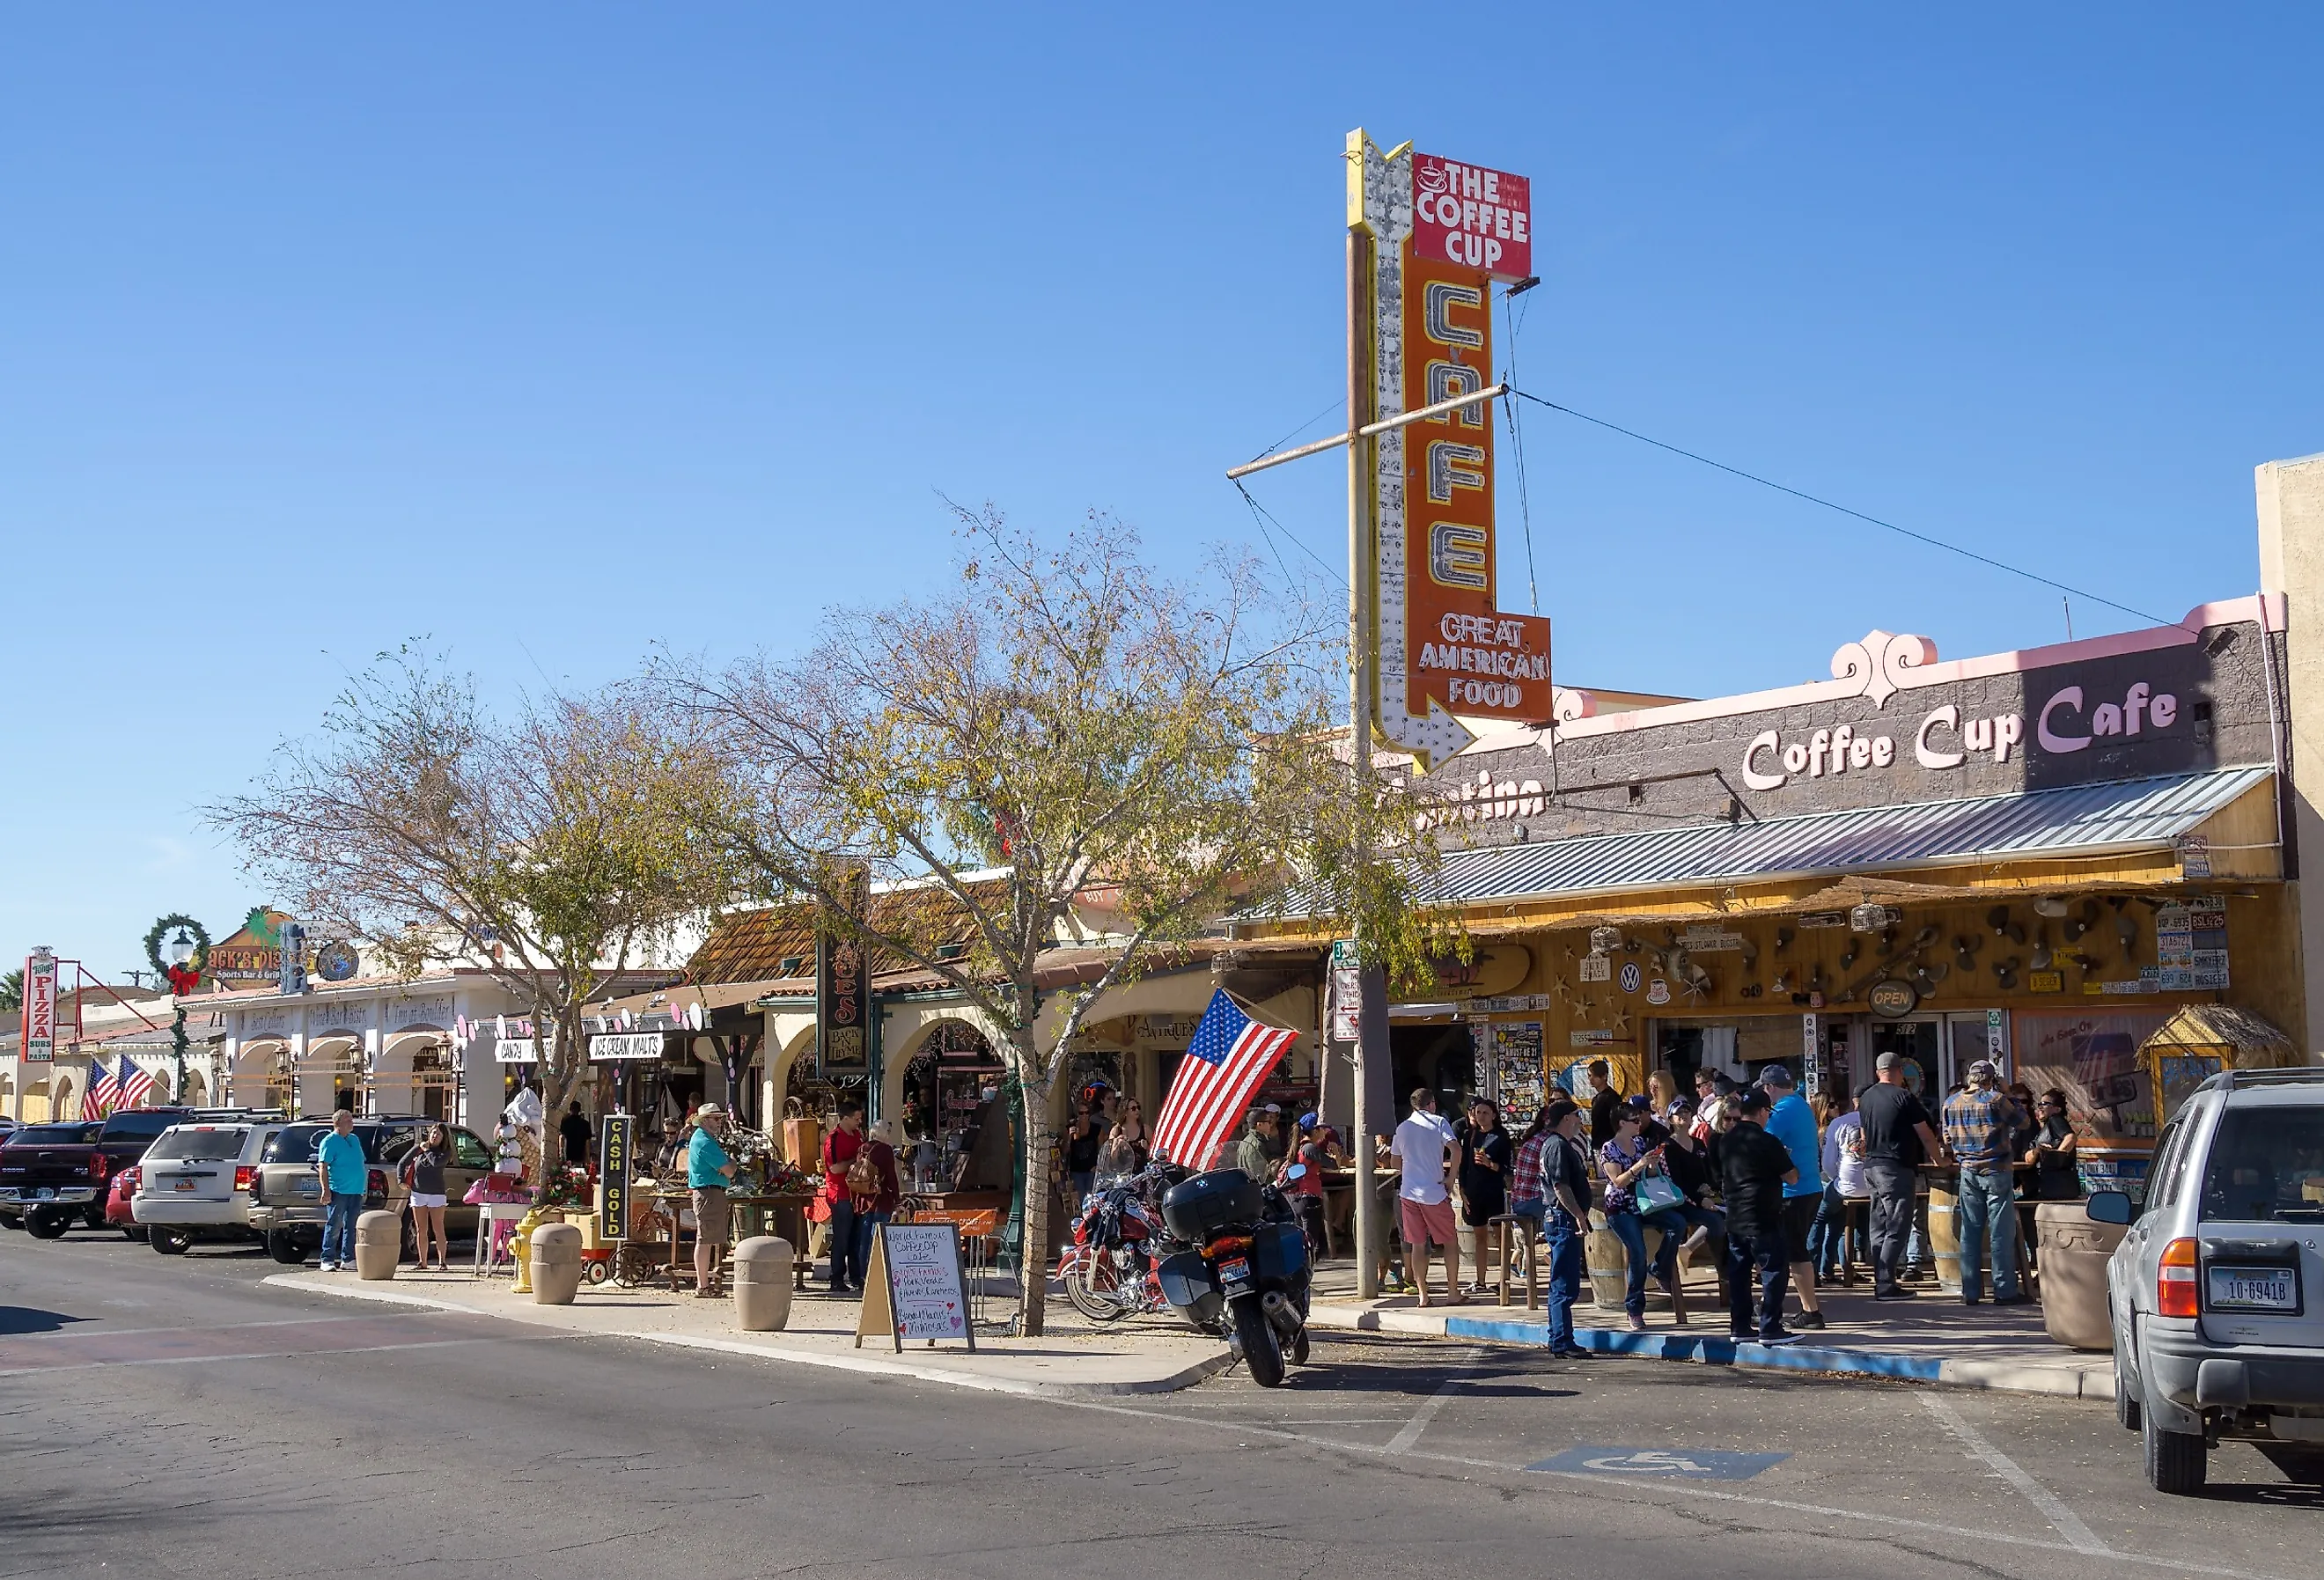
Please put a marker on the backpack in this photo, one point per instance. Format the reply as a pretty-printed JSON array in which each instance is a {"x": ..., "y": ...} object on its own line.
[{"x": 864, "y": 1174}]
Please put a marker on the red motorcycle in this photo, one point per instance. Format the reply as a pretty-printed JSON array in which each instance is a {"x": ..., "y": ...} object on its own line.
[{"x": 1118, "y": 1240}]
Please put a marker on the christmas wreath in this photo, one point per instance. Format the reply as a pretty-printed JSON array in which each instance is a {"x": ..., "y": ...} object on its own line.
[{"x": 186, "y": 976}]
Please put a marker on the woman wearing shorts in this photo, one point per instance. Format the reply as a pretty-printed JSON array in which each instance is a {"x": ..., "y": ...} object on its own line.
[{"x": 424, "y": 1172}]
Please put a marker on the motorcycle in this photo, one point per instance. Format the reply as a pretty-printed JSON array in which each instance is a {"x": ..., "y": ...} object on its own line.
[
  {"x": 1244, "y": 1275},
  {"x": 1108, "y": 1268}
]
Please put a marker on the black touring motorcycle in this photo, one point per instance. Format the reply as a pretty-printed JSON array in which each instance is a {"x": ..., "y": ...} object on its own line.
[{"x": 1244, "y": 1273}]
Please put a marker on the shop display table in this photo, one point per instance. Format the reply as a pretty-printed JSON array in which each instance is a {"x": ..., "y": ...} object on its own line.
[
  {"x": 495, "y": 1222},
  {"x": 782, "y": 1214}
]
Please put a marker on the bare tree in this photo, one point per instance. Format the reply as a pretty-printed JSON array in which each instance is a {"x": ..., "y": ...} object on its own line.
[
  {"x": 555, "y": 851},
  {"x": 1063, "y": 726}
]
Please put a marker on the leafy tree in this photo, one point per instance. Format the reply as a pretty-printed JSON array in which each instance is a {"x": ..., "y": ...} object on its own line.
[
  {"x": 1064, "y": 734},
  {"x": 11, "y": 991},
  {"x": 556, "y": 850}
]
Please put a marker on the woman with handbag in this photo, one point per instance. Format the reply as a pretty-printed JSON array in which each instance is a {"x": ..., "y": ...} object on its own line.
[{"x": 1639, "y": 1193}]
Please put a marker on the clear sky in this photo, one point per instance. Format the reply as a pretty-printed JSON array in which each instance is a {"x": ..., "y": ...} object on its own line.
[{"x": 551, "y": 331}]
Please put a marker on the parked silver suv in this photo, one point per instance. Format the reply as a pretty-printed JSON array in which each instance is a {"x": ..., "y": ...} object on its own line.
[
  {"x": 200, "y": 1182},
  {"x": 2217, "y": 1291}
]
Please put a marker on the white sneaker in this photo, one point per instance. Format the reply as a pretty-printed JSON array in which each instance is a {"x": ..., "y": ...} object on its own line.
[{"x": 328, "y": 1267}]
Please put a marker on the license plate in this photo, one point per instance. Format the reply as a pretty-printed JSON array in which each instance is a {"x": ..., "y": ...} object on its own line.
[
  {"x": 43, "y": 1194},
  {"x": 2254, "y": 1289},
  {"x": 1236, "y": 1270},
  {"x": 309, "y": 1188},
  {"x": 185, "y": 1185}
]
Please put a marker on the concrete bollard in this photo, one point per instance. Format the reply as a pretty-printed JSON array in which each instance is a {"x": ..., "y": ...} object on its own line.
[
  {"x": 379, "y": 1244},
  {"x": 763, "y": 1284},
  {"x": 556, "y": 1265}
]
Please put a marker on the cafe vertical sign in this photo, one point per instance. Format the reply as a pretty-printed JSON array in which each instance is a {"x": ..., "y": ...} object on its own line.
[{"x": 1441, "y": 234}]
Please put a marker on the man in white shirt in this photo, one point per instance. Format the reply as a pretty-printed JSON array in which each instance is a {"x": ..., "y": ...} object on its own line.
[{"x": 1426, "y": 1150}]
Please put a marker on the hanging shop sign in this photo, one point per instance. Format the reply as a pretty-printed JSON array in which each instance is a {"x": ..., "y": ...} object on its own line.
[
  {"x": 517, "y": 1050},
  {"x": 842, "y": 1002},
  {"x": 622, "y": 1045},
  {"x": 1445, "y": 648},
  {"x": 1486, "y": 973},
  {"x": 40, "y": 1007},
  {"x": 614, "y": 1177}
]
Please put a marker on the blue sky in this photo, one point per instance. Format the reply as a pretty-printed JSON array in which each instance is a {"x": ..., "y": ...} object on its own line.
[{"x": 550, "y": 332}]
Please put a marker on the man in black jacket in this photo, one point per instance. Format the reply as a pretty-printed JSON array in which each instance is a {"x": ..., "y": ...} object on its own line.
[{"x": 1754, "y": 1168}]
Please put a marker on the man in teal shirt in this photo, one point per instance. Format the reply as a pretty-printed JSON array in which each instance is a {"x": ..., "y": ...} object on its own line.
[
  {"x": 1793, "y": 1122},
  {"x": 708, "y": 1168},
  {"x": 340, "y": 1166}
]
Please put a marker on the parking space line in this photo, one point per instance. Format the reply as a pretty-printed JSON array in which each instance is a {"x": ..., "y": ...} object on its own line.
[
  {"x": 1408, "y": 1433},
  {"x": 2069, "y": 1524}
]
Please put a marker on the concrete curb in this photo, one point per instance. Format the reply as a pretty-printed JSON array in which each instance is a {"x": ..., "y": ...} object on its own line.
[
  {"x": 872, "y": 1365},
  {"x": 2092, "y": 1378}
]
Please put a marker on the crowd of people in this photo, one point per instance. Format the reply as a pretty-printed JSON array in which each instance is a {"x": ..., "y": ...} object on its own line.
[{"x": 1795, "y": 1188}]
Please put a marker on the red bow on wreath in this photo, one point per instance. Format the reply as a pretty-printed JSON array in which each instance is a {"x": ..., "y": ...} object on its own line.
[{"x": 183, "y": 979}]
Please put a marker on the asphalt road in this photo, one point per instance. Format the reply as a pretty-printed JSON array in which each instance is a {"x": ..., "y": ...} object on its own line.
[{"x": 174, "y": 1417}]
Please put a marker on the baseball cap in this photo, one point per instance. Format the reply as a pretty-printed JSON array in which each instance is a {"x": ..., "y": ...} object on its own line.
[
  {"x": 1983, "y": 1070},
  {"x": 1889, "y": 1061},
  {"x": 1272, "y": 1108},
  {"x": 1776, "y": 1078},
  {"x": 1307, "y": 1121}
]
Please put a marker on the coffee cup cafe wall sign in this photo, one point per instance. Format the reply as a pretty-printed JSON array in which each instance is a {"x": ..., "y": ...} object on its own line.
[{"x": 1894, "y": 725}]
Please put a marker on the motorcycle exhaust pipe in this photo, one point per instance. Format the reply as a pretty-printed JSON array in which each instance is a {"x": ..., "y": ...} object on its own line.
[{"x": 1281, "y": 1313}]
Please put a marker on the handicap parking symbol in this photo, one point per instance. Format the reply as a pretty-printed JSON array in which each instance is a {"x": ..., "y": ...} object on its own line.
[{"x": 1659, "y": 1463}]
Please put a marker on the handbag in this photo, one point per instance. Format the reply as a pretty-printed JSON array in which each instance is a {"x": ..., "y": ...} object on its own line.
[{"x": 1657, "y": 1193}]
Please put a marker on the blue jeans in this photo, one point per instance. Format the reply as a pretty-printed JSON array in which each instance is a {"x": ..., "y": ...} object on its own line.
[
  {"x": 859, "y": 1255},
  {"x": 1629, "y": 1228},
  {"x": 845, "y": 1267},
  {"x": 1529, "y": 1206},
  {"x": 1827, "y": 1234},
  {"x": 339, "y": 1215},
  {"x": 1766, "y": 1254},
  {"x": 1986, "y": 1212},
  {"x": 1565, "y": 1276}
]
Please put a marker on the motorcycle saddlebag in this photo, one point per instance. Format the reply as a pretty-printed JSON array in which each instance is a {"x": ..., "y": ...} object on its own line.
[
  {"x": 1279, "y": 1251},
  {"x": 1186, "y": 1284},
  {"x": 1193, "y": 1209}
]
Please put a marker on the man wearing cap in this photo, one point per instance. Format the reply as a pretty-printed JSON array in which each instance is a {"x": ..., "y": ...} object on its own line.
[
  {"x": 1896, "y": 1137},
  {"x": 1305, "y": 1193},
  {"x": 1980, "y": 1121},
  {"x": 708, "y": 1168},
  {"x": 1791, "y": 1122}
]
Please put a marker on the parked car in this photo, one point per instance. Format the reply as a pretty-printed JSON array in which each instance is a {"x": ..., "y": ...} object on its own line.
[
  {"x": 287, "y": 1206},
  {"x": 118, "y": 1213},
  {"x": 55, "y": 1175},
  {"x": 2217, "y": 1291},
  {"x": 196, "y": 1183}
]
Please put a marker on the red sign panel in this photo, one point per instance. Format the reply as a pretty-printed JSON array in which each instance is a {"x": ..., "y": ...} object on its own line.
[
  {"x": 40, "y": 1008},
  {"x": 1477, "y": 218}
]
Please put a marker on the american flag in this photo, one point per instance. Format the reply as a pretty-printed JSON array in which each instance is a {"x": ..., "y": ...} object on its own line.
[
  {"x": 125, "y": 1088},
  {"x": 1229, "y": 1057}
]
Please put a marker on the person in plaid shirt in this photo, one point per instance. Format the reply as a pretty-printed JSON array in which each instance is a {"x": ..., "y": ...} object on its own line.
[
  {"x": 1979, "y": 1121},
  {"x": 1524, "y": 1177}
]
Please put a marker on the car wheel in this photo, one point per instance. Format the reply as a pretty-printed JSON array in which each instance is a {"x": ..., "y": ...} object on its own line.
[
  {"x": 283, "y": 1247},
  {"x": 134, "y": 1231},
  {"x": 47, "y": 1225},
  {"x": 2125, "y": 1398},
  {"x": 93, "y": 1216},
  {"x": 168, "y": 1242},
  {"x": 12, "y": 1220},
  {"x": 2176, "y": 1462}
]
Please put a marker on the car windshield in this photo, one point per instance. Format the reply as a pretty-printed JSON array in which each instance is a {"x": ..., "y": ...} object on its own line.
[
  {"x": 198, "y": 1144},
  {"x": 56, "y": 1135},
  {"x": 2267, "y": 1163},
  {"x": 298, "y": 1143}
]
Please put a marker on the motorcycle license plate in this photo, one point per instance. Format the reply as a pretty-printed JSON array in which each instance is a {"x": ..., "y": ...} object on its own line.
[{"x": 1235, "y": 1271}]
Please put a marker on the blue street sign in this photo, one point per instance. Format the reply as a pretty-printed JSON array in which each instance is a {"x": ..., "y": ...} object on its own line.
[{"x": 1659, "y": 1463}]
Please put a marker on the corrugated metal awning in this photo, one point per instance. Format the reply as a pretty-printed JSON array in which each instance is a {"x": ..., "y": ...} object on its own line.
[{"x": 2144, "y": 814}]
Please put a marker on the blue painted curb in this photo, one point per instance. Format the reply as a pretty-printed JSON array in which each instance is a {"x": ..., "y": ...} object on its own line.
[{"x": 1705, "y": 1350}]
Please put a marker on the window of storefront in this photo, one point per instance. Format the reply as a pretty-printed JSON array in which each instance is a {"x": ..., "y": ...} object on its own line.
[{"x": 951, "y": 1097}]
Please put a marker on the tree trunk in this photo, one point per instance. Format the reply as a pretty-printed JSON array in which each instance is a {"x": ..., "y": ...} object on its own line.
[{"x": 1033, "y": 1253}]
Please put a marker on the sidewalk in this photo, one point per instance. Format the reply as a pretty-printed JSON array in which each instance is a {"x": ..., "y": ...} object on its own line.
[
  {"x": 1932, "y": 1339},
  {"x": 1072, "y": 1360}
]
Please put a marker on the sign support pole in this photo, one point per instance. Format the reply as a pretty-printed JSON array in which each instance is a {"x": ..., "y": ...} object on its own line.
[{"x": 1360, "y": 662}]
